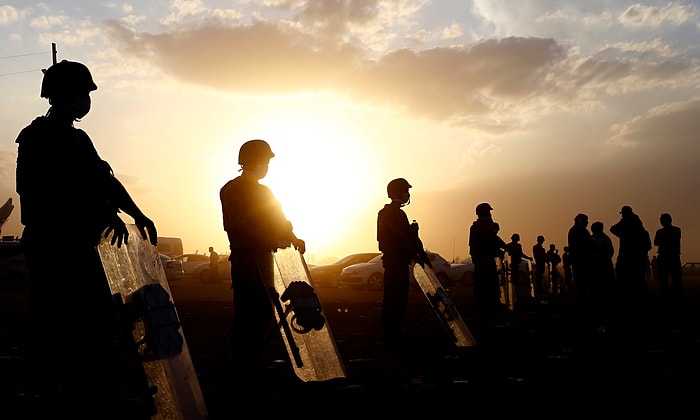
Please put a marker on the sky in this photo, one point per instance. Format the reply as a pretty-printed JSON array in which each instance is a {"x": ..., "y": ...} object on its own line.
[{"x": 544, "y": 109}]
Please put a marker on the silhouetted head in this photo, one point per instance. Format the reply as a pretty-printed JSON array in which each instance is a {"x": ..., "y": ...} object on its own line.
[
  {"x": 540, "y": 239},
  {"x": 483, "y": 209},
  {"x": 515, "y": 237},
  {"x": 581, "y": 219},
  {"x": 255, "y": 152},
  {"x": 626, "y": 211},
  {"x": 665, "y": 219},
  {"x": 396, "y": 187},
  {"x": 65, "y": 79},
  {"x": 552, "y": 247},
  {"x": 597, "y": 227}
]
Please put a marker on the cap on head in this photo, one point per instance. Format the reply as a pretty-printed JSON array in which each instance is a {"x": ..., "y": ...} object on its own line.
[
  {"x": 254, "y": 152},
  {"x": 626, "y": 210},
  {"x": 483, "y": 209},
  {"x": 66, "y": 78},
  {"x": 396, "y": 187}
]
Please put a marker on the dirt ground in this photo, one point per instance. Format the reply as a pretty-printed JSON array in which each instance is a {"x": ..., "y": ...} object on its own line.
[{"x": 546, "y": 360}]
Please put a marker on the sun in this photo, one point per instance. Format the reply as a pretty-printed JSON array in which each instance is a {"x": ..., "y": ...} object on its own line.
[{"x": 320, "y": 174}]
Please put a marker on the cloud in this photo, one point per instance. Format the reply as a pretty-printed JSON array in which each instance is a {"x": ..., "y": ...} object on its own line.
[
  {"x": 673, "y": 13},
  {"x": 665, "y": 128},
  {"x": 261, "y": 58},
  {"x": 8, "y": 14}
]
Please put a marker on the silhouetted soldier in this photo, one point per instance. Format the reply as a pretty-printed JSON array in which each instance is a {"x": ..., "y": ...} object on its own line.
[
  {"x": 69, "y": 197},
  {"x": 400, "y": 245},
  {"x": 668, "y": 263},
  {"x": 515, "y": 251},
  {"x": 484, "y": 247},
  {"x": 580, "y": 257},
  {"x": 256, "y": 227},
  {"x": 632, "y": 257},
  {"x": 539, "y": 254}
]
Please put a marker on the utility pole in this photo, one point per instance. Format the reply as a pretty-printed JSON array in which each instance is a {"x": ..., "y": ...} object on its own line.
[{"x": 53, "y": 51}]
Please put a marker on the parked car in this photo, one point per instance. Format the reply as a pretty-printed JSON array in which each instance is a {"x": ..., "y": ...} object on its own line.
[
  {"x": 202, "y": 272},
  {"x": 329, "y": 274},
  {"x": 172, "y": 267},
  {"x": 370, "y": 275},
  {"x": 13, "y": 271},
  {"x": 463, "y": 272},
  {"x": 191, "y": 261},
  {"x": 691, "y": 270}
]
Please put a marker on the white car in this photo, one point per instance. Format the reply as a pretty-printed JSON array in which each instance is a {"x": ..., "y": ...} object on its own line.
[
  {"x": 370, "y": 275},
  {"x": 172, "y": 267},
  {"x": 463, "y": 272},
  {"x": 196, "y": 267}
]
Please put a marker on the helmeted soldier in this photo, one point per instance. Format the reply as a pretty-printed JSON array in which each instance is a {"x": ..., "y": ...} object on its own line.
[
  {"x": 69, "y": 197},
  {"x": 400, "y": 245},
  {"x": 256, "y": 227}
]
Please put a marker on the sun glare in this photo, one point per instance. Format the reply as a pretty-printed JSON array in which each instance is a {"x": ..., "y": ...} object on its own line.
[{"x": 320, "y": 174}]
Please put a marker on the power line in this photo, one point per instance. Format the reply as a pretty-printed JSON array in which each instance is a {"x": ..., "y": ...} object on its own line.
[
  {"x": 22, "y": 55},
  {"x": 20, "y": 72}
]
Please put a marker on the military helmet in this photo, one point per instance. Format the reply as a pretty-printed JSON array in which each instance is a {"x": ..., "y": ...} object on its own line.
[
  {"x": 66, "y": 78},
  {"x": 483, "y": 209},
  {"x": 396, "y": 187},
  {"x": 254, "y": 152}
]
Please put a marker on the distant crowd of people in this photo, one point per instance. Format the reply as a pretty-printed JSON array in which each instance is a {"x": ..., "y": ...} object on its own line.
[{"x": 608, "y": 287}]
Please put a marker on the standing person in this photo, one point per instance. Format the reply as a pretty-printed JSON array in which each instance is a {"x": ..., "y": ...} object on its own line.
[
  {"x": 539, "y": 254},
  {"x": 668, "y": 263},
  {"x": 632, "y": 258},
  {"x": 214, "y": 264},
  {"x": 579, "y": 239},
  {"x": 400, "y": 244},
  {"x": 484, "y": 246},
  {"x": 605, "y": 292},
  {"x": 566, "y": 265},
  {"x": 256, "y": 227},
  {"x": 553, "y": 259},
  {"x": 515, "y": 250},
  {"x": 69, "y": 198}
]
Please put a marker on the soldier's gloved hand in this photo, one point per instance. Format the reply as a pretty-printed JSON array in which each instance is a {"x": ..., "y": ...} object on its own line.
[
  {"x": 144, "y": 224},
  {"x": 299, "y": 245},
  {"x": 117, "y": 228}
]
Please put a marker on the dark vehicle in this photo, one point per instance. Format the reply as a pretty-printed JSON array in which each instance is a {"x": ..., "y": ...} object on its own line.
[{"x": 329, "y": 274}]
